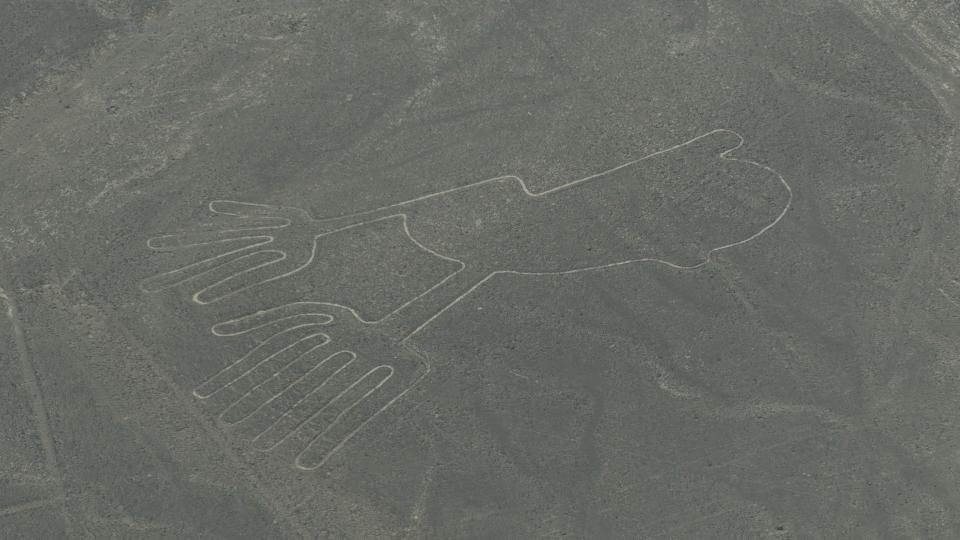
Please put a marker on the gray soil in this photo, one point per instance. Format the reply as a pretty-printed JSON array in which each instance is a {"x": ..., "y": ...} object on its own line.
[{"x": 750, "y": 330}]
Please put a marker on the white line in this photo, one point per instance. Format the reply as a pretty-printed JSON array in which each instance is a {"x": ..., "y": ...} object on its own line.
[
  {"x": 216, "y": 329},
  {"x": 265, "y": 240},
  {"x": 433, "y": 317}
]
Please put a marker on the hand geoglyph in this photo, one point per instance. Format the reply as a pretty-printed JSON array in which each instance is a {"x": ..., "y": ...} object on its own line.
[{"x": 321, "y": 372}]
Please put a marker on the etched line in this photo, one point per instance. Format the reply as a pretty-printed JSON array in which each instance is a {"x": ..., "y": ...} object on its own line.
[
  {"x": 195, "y": 270},
  {"x": 226, "y": 328}
]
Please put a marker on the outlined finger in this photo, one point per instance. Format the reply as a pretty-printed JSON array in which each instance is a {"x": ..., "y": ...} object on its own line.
[
  {"x": 332, "y": 428},
  {"x": 212, "y": 269},
  {"x": 309, "y": 397},
  {"x": 721, "y": 141},
  {"x": 258, "y": 355},
  {"x": 170, "y": 278},
  {"x": 251, "y": 276},
  {"x": 235, "y": 239},
  {"x": 272, "y": 376},
  {"x": 244, "y": 209},
  {"x": 240, "y": 209},
  {"x": 287, "y": 313}
]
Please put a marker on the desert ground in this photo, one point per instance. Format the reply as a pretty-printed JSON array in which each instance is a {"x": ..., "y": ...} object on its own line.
[{"x": 429, "y": 269}]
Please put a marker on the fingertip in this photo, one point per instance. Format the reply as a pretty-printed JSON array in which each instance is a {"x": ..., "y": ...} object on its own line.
[
  {"x": 230, "y": 328},
  {"x": 147, "y": 288},
  {"x": 262, "y": 444},
  {"x": 154, "y": 284},
  {"x": 163, "y": 242},
  {"x": 722, "y": 141},
  {"x": 203, "y": 299},
  {"x": 307, "y": 464}
]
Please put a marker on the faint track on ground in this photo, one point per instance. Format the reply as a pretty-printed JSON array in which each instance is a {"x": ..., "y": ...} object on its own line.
[
  {"x": 266, "y": 496},
  {"x": 41, "y": 416},
  {"x": 29, "y": 505}
]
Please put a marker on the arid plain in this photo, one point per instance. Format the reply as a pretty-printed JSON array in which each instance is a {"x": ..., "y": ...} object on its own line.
[{"x": 491, "y": 269}]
